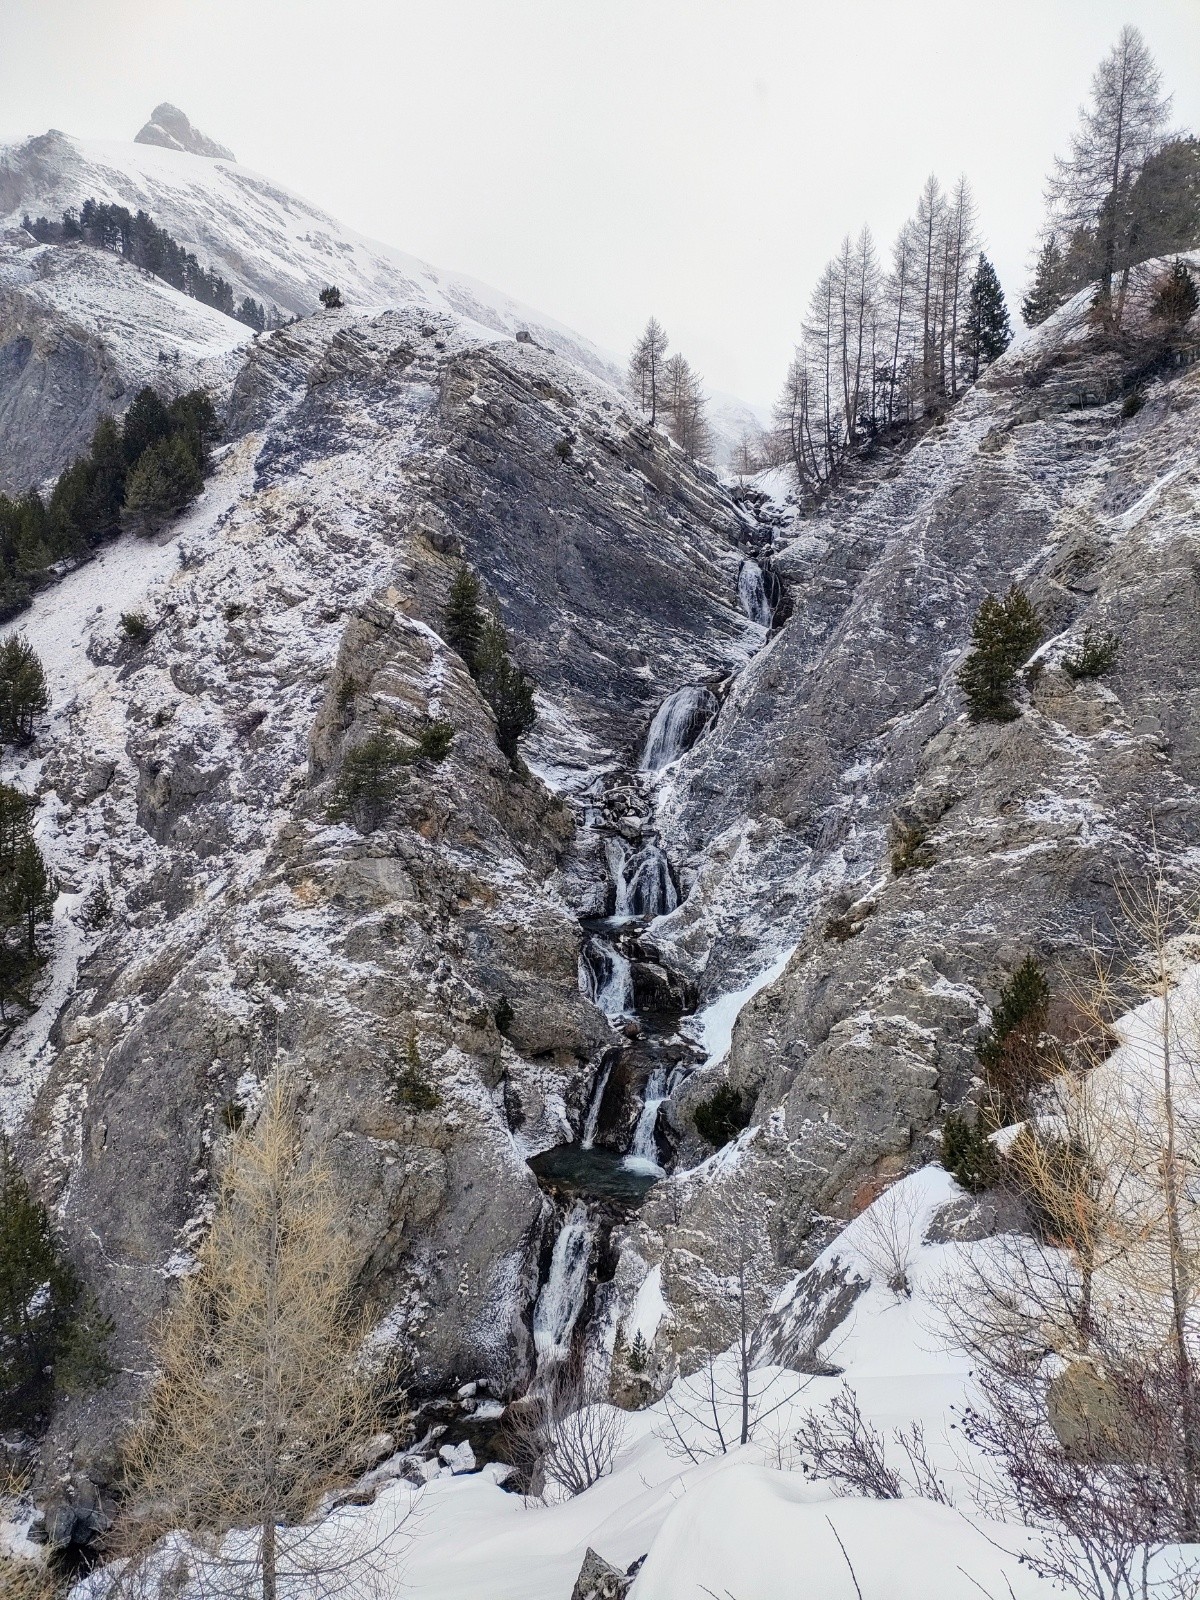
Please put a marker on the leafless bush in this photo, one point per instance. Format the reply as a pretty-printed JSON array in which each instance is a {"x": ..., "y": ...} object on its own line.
[
  {"x": 565, "y": 1436},
  {"x": 886, "y": 1237},
  {"x": 838, "y": 1443},
  {"x": 1085, "y": 1335}
]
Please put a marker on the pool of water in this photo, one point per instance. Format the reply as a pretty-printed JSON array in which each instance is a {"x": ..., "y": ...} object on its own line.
[{"x": 594, "y": 1174}]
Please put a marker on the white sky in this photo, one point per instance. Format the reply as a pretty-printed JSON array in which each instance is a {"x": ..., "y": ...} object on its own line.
[{"x": 602, "y": 159}]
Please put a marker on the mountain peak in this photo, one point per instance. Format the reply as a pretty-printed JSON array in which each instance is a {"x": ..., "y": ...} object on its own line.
[{"x": 168, "y": 126}]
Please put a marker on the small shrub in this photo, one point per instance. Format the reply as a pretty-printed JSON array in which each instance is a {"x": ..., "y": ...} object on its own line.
[
  {"x": 1096, "y": 654},
  {"x": 562, "y": 449},
  {"x": 134, "y": 627},
  {"x": 98, "y": 907},
  {"x": 908, "y": 848},
  {"x": 968, "y": 1154},
  {"x": 26, "y": 1580},
  {"x": 841, "y": 927},
  {"x": 434, "y": 740},
  {"x": 1004, "y": 635},
  {"x": 331, "y": 298},
  {"x": 722, "y": 1116},
  {"x": 411, "y": 1084},
  {"x": 234, "y": 610}
]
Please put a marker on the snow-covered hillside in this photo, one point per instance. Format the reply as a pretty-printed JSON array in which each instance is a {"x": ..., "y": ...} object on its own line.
[
  {"x": 280, "y": 249},
  {"x": 264, "y": 240}
]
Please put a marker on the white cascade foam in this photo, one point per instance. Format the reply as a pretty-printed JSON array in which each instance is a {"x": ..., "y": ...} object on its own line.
[{"x": 678, "y": 723}]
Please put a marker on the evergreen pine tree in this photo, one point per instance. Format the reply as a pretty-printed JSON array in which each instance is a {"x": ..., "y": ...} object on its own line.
[
  {"x": 331, "y": 298},
  {"x": 639, "y": 1355},
  {"x": 23, "y": 693},
  {"x": 505, "y": 688},
  {"x": 1175, "y": 297},
  {"x": 986, "y": 332},
  {"x": 146, "y": 423},
  {"x": 107, "y": 488},
  {"x": 462, "y": 623},
  {"x": 29, "y": 890},
  {"x": 38, "y": 1293},
  {"x": 1047, "y": 291},
  {"x": 1003, "y": 636},
  {"x": 166, "y": 478},
  {"x": 367, "y": 782},
  {"x": 14, "y": 824}
]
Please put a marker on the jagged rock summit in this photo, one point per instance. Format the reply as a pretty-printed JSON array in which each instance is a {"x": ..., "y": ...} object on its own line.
[{"x": 171, "y": 128}]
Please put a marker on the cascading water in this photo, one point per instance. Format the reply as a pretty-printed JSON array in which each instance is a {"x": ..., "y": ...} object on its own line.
[
  {"x": 563, "y": 1294},
  {"x": 643, "y": 1147},
  {"x": 645, "y": 887},
  {"x": 606, "y": 978},
  {"x": 678, "y": 723},
  {"x": 752, "y": 594},
  {"x": 592, "y": 1120}
]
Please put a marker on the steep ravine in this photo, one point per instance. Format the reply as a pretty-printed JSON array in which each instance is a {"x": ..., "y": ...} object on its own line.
[{"x": 625, "y": 882}]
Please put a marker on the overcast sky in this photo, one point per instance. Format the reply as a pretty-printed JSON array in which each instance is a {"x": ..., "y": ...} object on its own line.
[{"x": 602, "y": 159}]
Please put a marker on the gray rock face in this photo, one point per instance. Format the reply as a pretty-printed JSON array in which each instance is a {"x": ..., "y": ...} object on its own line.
[
  {"x": 61, "y": 368},
  {"x": 169, "y": 127},
  {"x": 192, "y": 778},
  {"x": 852, "y": 718}
]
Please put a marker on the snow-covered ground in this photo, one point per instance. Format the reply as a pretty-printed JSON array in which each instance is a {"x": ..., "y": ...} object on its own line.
[{"x": 748, "y": 1524}]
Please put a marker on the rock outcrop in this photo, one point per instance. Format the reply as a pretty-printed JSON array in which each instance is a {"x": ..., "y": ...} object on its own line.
[{"x": 170, "y": 128}]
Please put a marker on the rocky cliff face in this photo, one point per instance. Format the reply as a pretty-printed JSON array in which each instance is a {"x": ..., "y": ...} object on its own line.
[
  {"x": 217, "y": 920},
  {"x": 851, "y": 725},
  {"x": 215, "y": 923}
]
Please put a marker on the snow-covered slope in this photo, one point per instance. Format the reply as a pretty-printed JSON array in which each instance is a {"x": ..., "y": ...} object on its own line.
[
  {"x": 279, "y": 248},
  {"x": 80, "y": 332},
  {"x": 266, "y": 241}
]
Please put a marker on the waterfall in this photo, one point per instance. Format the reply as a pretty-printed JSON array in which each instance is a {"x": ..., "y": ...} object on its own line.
[
  {"x": 752, "y": 594},
  {"x": 592, "y": 1119},
  {"x": 643, "y": 1148},
  {"x": 562, "y": 1295},
  {"x": 678, "y": 723},
  {"x": 606, "y": 979},
  {"x": 645, "y": 887},
  {"x": 616, "y": 858}
]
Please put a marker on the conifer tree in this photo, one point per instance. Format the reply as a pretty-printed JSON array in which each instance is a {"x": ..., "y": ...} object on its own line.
[
  {"x": 29, "y": 890},
  {"x": 164, "y": 481},
  {"x": 646, "y": 367},
  {"x": 261, "y": 1390},
  {"x": 505, "y": 688},
  {"x": 23, "y": 693},
  {"x": 146, "y": 423},
  {"x": 986, "y": 331},
  {"x": 462, "y": 622},
  {"x": 331, "y": 298},
  {"x": 14, "y": 824},
  {"x": 39, "y": 1291},
  {"x": 1004, "y": 633},
  {"x": 1090, "y": 192},
  {"x": 1047, "y": 291},
  {"x": 1175, "y": 297}
]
